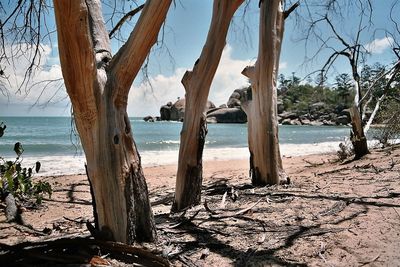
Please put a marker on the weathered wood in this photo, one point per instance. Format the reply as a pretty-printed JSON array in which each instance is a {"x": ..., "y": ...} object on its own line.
[
  {"x": 197, "y": 85},
  {"x": 357, "y": 136},
  {"x": 265, "y": 159},
  {"x": 129, "y": 59},
  {"x": 98, "y": 86}
]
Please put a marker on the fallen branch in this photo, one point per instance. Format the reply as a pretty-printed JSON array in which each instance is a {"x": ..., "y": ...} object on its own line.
[
  {"x": 216, "y": 215},
  {"x": 29, "y": 229},
  {"x": 184, "y": 221},
  {"x": 368, "y": 166},
  {"x": 134, "y": 250},
  {"x": 60, "y": 253},
  {"x": 333, "y": 171},
  {"x": 187, "y": 261},
  {"x": 336, "y": 208},
  {"x": 81, "y": 221},
  {"x": 370, "y": 261},
  {"x": 313, "y": 164}
]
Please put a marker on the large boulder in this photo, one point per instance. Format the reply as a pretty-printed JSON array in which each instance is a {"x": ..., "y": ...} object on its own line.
[
  {"x": 291, "y": 122},
  {"x": 316, "y": 123},
  {"x": 288, "y": 115},
  {"x": 149, "y": 119},
  {"x": 345, "y": 112},
  {"x": 210, "y": 105},
  {"x": 317, "y": 106},
  {"x": 165, "y": 112},
  {"x": 281, "y": 107},
  {"x": 238, "y": 96},
  {"x": 227, "y": 115},
  {"x": 342, "y": 120},
  {"x": 305, "y": 121},
  {"x": 328, "y": 123},
  {"x": 178, "y": 110}
]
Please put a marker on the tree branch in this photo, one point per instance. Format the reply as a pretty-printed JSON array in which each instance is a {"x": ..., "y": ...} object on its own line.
[
  {"x": 127, "y": 16},
  {"x": 223, "y": 11},
  {"x": 127, "y": 62},
  {"x": 395, "y": 69},
  {"x": 99, "y": 34},
  {"x": 76, "y": 55},
  {"x": 286, "y": 13},
  {"x": 336, "y": 33}
]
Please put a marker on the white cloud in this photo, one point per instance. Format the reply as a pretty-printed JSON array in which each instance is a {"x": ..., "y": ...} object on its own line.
[
  {"x": 378, "y": 46},
  {"x": 143, "y": 101},
  {"x": 40, "y": 92},
  {"x": 282, "y": 66}
]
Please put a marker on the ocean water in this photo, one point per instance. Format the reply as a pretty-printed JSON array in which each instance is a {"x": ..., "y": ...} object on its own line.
[{"x": 53, "y": 142}]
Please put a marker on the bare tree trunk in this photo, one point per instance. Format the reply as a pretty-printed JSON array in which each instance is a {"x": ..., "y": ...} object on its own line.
[
  {"x": 357, "y": 136},
  {"x": 98, "y": 86},
  {"x": 265, "y": 159},
  {"x": 197, "y": 85}
]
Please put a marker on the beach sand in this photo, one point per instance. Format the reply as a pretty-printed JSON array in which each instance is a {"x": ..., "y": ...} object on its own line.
[{"x": 332, "y": 214}]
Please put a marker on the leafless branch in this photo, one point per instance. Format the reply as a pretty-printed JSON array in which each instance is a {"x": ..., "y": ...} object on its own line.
[
  {"x": 22, "y": 35},
  {"x": 286, "y": 13},
  {"x": 127, "y": 16}
]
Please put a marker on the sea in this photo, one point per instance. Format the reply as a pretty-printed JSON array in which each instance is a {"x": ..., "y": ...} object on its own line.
[{"x": 55, "y": 143}]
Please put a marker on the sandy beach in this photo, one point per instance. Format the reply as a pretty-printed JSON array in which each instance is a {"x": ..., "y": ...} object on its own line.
[{"x": 332, "y": 214}]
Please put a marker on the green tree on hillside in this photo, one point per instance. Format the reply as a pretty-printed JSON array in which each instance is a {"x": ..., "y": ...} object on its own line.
[{"x": 343, "y": 87}]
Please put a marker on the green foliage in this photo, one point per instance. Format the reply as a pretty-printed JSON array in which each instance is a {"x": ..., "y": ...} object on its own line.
[
  {"x": 297, "y": 96},
  {"x": 300, "y": 97},
  {"x": 390, "y": 119},
  {"x": 17, "y": 180},
  {"x": 343, "y": 87}
]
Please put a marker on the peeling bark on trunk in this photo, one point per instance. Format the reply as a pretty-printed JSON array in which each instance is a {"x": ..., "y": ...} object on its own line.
[
  {"x": 197, "y": 85},
  {"x": 357, "y": 136},
  {"x": 265, "y": 159},
  {"x": 98, "y": 86}
]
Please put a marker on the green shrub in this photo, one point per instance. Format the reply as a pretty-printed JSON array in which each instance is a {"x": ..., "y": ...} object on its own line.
[
  {"x": 389, "y": 117},
  {"x": 16, "y": 179}
]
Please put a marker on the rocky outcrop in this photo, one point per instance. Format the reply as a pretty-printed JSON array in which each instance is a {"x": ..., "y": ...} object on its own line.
[
  {"x": 315, "y": 114},
  {"x": 149, "y": 119},
  {"x": 227, "y": 115},
  {"x": 165, "y": 112},
  {"x": 176, "y": 111},
  {"x": 318, "y": 114},
  {"x": 238, "y": 96}
]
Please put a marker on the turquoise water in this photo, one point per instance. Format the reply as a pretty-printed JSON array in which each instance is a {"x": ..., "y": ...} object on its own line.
[
  {"x": 55, "y": 136},
  {"x": 52, "y": 139}
]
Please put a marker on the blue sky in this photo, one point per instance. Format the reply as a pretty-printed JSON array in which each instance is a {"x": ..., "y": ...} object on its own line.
[{"x": 185, "y": 32}]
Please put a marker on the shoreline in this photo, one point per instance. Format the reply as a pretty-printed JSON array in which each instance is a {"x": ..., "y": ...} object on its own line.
[
  {"x": 212, "y": 166},
  {"x": 74, "y": 165}
]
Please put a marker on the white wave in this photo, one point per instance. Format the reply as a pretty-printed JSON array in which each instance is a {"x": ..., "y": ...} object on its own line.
[
  {"x": 66, "y": 165},
  {"x": 173, "y": 142},
  {"x": 164, "y": 142},
  {"x": 156, "y": 158},
  {"x": 57, "y": 165}
]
